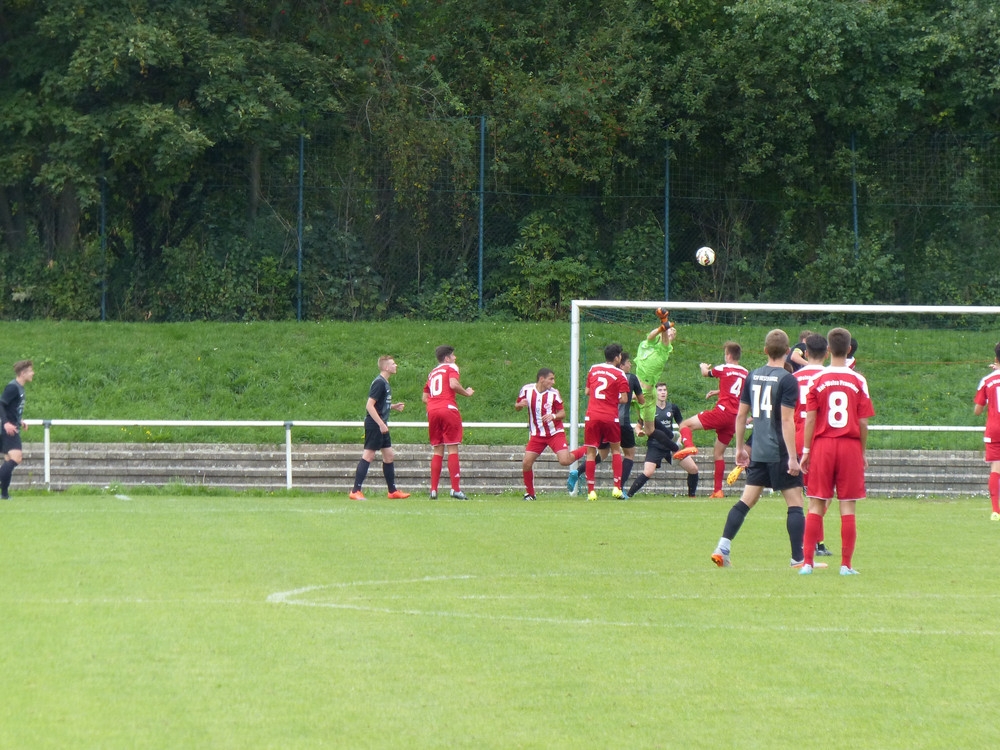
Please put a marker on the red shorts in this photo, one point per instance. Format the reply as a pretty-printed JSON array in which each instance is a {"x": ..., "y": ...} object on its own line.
[
  {"x": 723, "y": 422},
  {"x": 992, "y": 452},
  {"x": 595, "y": 433},
  {"x": 557, "y": 442},
  {"x": 836, "y": 464},
  {"x": 444, "y": 427}
]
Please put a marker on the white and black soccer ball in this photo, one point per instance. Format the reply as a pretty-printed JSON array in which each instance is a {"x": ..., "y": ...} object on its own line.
[{"x": 705, "y": 256}]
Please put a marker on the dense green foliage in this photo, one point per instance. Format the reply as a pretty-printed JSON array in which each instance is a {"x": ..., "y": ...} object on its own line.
[
  {"x": 322, "y": 371},
  {"x": 150, "y": 158}
]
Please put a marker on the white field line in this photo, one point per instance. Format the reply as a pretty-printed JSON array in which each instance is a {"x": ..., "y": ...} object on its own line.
[{"x": 292, "y": 598}]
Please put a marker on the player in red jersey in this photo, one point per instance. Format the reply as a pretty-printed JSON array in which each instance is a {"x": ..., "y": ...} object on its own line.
[
  {"x": 837, "y": 410},
  {"x": 815, "y": 348},
  {"x": 722, "y": 418},
  {"x": 545, "y": 428},
  {"x": 444, "y": 422},
  {"x": 988, "y": 399},
  {"x": 607, "y": 387}
]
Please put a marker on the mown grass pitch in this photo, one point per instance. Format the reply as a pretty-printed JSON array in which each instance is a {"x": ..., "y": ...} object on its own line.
[{"x": 312, "y": 621}]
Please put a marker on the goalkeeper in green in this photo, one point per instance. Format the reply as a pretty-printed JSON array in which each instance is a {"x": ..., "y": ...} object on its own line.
[{"x": 649, "y": 361}]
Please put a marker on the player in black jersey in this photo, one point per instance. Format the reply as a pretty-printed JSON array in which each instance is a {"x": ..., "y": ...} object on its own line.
[
  {"x": 770, "y": 396},
  {"x": 11, "y": 423},
  {"x": 377, "y": 432},
  {"x": 661, "y": 445}
]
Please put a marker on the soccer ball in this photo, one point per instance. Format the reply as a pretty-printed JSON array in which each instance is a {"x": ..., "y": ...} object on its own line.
[{"x": 705, "y": 256}]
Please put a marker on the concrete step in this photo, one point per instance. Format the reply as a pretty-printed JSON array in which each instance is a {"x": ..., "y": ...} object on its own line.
[{"x": 485, "y": 469}]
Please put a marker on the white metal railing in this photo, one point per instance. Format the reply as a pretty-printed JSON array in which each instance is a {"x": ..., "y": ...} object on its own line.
[{"x": 48, "y": 424}]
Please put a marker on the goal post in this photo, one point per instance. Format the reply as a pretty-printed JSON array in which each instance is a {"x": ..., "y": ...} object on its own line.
[{"x": 922, "y": 362}]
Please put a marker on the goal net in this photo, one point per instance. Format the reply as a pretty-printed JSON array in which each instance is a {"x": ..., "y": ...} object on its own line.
[{"x": 923, "y": 363}]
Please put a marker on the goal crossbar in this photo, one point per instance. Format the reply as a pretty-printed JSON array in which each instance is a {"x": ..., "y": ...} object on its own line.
[{"x": 738, "y": 307}]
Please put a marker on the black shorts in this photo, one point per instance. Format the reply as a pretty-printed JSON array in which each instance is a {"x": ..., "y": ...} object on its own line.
[
  {"x": 774, "y": 475},
  {"x": 375, "y": 439},
  {"x": 657, "y": 455},
  {"x": 10, "y": 443},
  {"x": 628, "y": 436}
]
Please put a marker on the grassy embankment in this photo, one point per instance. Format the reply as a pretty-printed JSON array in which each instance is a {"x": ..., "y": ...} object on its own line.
[{"x": 321, "y": 371}]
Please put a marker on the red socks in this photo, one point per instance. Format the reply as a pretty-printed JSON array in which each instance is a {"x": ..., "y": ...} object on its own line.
[
  {"x": 453, "y": 471},
  {"x": 686, "y": 437},
  {"x": 995, "y": 491},
  {"x": 529, "y": 482},
  {"x": 848, "y": 538},
  {"x": 720, "y": 472},
  {"x": 813, "y": 534}
]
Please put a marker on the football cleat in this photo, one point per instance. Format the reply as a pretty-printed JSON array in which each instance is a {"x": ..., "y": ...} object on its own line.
[
  {"x": 717, "y": 495},
  {"x": 721, "y": 558},
  {"x": 734, "y": 475},
  {"x": 459, "y": 495},
  {"x": 574, "y": 474},
  {"x": 685, "y": 452},
  {"x": 805, "y": 570},
  {"x": 800, "y": 563},
  {"x": 822, "y": 551},
  {"x": 528, "y": 496},
  {"x": 845, "y": 571},
  {"x": 398, "y": 495},
  {"x": 617, "y": 494},
  {"x": 434, "y": 494},
  {"x": 356, "y": 495},
  {"x": 592, "y": 495},
  {"x": 994, "y": 516}
]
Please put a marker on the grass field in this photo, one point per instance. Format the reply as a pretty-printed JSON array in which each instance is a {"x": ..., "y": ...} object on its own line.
[
  {"x": 322, "y": 371},
  {"x": 166, "y": 621}
]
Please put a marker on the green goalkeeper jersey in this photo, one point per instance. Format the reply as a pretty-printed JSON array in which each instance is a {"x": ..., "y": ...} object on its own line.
[{"x": 651, "y": 359}]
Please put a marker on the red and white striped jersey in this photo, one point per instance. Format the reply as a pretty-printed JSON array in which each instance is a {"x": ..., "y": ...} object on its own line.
[{"x": 539, "y": 403}]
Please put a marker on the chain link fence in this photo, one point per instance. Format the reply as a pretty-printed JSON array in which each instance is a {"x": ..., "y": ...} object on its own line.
[{"x": 450, "y": 221}]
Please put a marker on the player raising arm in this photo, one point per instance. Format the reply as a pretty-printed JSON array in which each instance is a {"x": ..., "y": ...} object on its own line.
[
  {"x": 722, "y": 418},
  {"x": 650, "y": 359}
]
